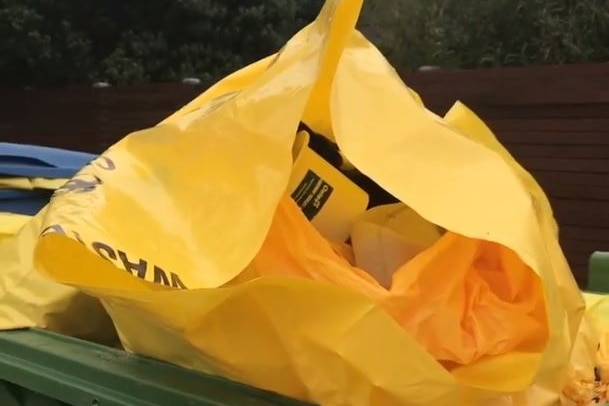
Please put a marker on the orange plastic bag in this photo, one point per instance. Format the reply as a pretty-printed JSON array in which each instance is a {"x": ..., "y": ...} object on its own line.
[{"x": 462, "y": 299}]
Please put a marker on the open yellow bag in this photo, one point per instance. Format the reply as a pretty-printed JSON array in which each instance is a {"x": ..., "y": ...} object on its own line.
[
  {"x": 29, "y": 299},
  {"x": 11, "y": 223},
  {"x": 588, "y": 380},
  {"x": 232, "y": 279}
]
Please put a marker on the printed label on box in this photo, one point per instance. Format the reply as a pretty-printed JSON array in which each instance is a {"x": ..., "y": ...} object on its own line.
[{"x": 312, "y": 194}]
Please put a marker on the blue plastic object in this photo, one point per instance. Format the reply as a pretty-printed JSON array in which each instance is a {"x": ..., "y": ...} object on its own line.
[
  {"x": 18, "y": 193},
  {"x": 34, "y": 161},
  {"x": 28, "y": 206},
  {"x": 28, "y": 202}
]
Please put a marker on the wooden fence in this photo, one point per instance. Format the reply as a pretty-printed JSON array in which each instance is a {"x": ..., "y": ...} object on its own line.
[
  {"x": 87, "y": 119},
  {"x": 554, "y": 120}
]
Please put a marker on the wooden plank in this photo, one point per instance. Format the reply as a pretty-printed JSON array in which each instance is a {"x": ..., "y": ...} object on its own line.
[
  {"x": 537, "y": 137},
  {"x": 594, "y": 235},
  {"x": 581, "y": 213},
  {"x": 522, "y": 151},
  {"x": 560, "y": 125},
  {"x": 571, "y": 84},
  {"x": 566, "y": 165},
  {"x": 571, "y": 178},
  {"x": 542, "y": 111},
  {"x": 583, "y": 249},
  {"x": 554, "y": 187}
]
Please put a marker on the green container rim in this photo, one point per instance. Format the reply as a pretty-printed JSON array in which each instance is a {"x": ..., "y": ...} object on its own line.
[{"x": 82, "y": 373}]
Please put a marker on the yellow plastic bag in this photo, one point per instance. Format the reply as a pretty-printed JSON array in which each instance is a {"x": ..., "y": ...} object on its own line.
[
  {"x": 31, "y": 183},
  {"x": 199, "y": 202},
  {"x": 29, "y": 299},
  {"x": 11, "y": 223},
  {"x": 16, "y": 183},
  {"x": 560, "y": 280},
  {"x": 588, "y": 380}
]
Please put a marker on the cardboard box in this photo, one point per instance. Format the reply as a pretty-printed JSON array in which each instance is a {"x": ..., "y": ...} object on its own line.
[{"x": 328, "y": 198}]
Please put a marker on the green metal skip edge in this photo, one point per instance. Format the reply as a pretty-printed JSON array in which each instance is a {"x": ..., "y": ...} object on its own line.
[
  {"x": 79, "y": 373},
  {"x": 598, "y": 272}
]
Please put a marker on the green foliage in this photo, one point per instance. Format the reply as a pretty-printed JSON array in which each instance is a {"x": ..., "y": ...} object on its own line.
[
  {"x": 474, "y": 33},
  {"x": 58, "y": 42}
]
